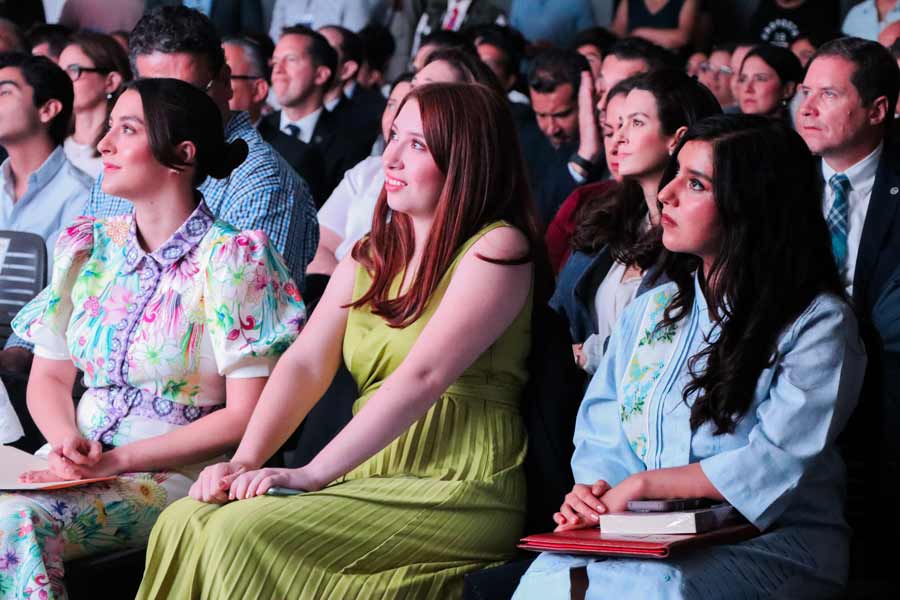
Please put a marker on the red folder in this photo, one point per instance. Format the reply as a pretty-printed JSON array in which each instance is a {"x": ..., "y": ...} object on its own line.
[{"x": 592, "y": 541}]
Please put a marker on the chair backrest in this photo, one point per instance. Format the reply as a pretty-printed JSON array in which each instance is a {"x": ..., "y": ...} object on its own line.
[{"x": 23, "y": 273}]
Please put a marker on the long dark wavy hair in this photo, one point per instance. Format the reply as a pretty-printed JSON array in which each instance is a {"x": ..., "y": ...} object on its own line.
[
  {"x": 615, "y": 219},
  {"x": 774, "y": 259}
]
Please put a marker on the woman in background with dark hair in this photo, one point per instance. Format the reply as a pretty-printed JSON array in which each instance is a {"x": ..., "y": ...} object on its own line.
[
  {"x": 99, "y": 69},
  {"x": 176, "y": 320},
  {"x": 731, "y": 382},
  {"x": 432, "y": 315},
  {"x": 768, "y": 79},
  {"x": 618, "y": 235}
]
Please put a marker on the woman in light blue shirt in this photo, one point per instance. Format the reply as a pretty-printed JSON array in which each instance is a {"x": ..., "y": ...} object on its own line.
[{"x": 732, "y": 382}]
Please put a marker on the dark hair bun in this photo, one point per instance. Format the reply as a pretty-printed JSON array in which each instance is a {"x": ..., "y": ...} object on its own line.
[{"x": 232, "y": 155}]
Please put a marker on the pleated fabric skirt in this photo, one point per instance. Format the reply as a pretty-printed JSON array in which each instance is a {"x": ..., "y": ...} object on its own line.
[{"x": 444, "y": 499}]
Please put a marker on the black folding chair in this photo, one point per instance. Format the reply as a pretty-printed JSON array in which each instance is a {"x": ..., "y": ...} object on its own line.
[{"x": 23, "y": 273}]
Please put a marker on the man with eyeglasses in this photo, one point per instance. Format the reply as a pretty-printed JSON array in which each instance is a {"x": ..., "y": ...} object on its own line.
[
  {"x": 248, "y": 60},
  {"x": 262, "y": 193},
  {"x": 41, "y": 192}
]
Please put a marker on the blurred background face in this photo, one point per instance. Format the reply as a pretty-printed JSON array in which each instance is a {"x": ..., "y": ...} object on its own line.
[
  {"x": 18, "y": 115},
  {"x": 422, "y": 57},
  {"x": 737, "y": 59},
  {"x": 393, "y": 103},
  {"x": 595, "y": 60},
  {"x": 643, "y": 148},
  {"x": 246, "y": 91},
  {"x": 293, "y": 70},
  {"x": 613, "y": 121},
  {"x": 498, "y": 62},
  {"x": 803, "y": 50},
  {"x": 90, "y": 87},
  {"x": 439, "y": 71},
  {"x": 716, "y": 74},
  {"x": 761, "y": 88},
  {"x": 614, "y": 70},
  {"x": 693, "y": 63}
]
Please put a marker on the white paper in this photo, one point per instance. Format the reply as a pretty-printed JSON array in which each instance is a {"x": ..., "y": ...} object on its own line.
[{"x": 14, "y": 462}]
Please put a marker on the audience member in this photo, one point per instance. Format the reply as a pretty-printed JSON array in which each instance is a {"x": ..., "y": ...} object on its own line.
[
  {"x": 175, "y": 318},
  {"x": 718, "y": 75},
  {"x": 626, "y": 58},
  {"x": 48, "y": 40},
  {"x": 352, "y": 14},
  {"x": 10, "y": 36},
  {"x": 617, "y": 233},
  {"x": 752, "y": 301},
  {"x": 889, "y": 34},
  {"x": 738, "y": 53},
  {"x": 358, "y": 108},
  {"x": 347, "y": 215},
  {"x": 379, "y": 48},
  {"x": 101, "y": 15},
  {"x": 98, "y": 68},
  {"x": 780, "y": 22},
  {"x": 501, "y": 49},
  {"x": 230, "y": 17},
  {"x": 593, "y": 45},
  {"x": 869, "y": 17},
  {"x": 437, "y": 40},
  {"x": 558, "y": 236},
  {"x": 40, "y": 191},
  {"x": 551, "y": 22},
  {"x": 303, "y": 67},
  {"x": 452, "y": 16},
  {"x": 849, "y": 97},
  {"x": 565, "y": 150},
  {"x": 248, "y": 62},
  {"x": 768, "y": 78},
  {"x": 668, "y": 23},
  {"x": 410, "y": 459},
  {"x": 803, "y": 48},
  {"x": 263, "y": 192},
  {"x": 692, "y": 65}
]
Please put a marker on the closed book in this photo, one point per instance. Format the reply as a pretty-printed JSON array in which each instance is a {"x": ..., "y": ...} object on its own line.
[
  {"x": 698, "y": 520},
  {"x": 595, "y": 542}
]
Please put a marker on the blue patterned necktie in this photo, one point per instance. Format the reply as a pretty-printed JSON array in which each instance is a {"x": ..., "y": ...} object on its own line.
[{"x": 837, "y": 218}]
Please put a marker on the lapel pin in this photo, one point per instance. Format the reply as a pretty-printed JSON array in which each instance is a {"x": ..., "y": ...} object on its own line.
[{"x": 895, "y": 191}]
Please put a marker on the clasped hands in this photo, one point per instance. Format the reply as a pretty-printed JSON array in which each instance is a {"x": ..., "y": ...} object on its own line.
[
  {"x": 75, "y": 458},
  {"x": 227, "y": 481},
  {"x": 583, "y": 506}
]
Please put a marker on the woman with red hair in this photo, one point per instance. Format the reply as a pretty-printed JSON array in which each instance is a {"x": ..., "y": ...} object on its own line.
[{"x": 431, "y": 313}]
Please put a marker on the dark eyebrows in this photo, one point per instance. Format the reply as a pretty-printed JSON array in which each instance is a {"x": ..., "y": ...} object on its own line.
[
  {"x": 10, "y": 82},
  {"x": 696, "y": 173},
  {"x": 637, "y": 114},
  {"x": 132, "y": 118}
]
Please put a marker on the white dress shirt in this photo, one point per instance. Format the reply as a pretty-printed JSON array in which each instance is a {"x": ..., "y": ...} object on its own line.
[
  {"x": 349, "y": 210},
  {"x": 306, "y": 125},
  {"x": 862, "y": 179}
]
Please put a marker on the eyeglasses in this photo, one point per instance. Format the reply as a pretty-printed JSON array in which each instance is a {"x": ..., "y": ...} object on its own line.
[
  {"x": 75, "y": 71},
  {"x": 706, "y": 67},
  {"x": 246, "y": 77}
]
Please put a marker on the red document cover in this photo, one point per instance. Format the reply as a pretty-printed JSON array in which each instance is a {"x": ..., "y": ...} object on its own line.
[{"x": 592, "y": 541}]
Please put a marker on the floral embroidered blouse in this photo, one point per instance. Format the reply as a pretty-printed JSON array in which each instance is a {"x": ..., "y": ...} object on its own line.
[{"x": 156, "y": 334}]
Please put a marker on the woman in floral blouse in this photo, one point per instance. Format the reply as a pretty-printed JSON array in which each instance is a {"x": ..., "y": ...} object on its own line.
[{"x": 176, "y": 320}]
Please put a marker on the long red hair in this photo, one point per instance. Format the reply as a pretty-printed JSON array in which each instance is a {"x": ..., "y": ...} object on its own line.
[{"x": 473, "y": 140}]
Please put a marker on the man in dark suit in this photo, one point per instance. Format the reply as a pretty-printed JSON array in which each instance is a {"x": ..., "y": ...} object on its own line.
[
  {"x": 303, "y": 67},
  {"x": 558, "y": 156},
  {"x": 249, "y": 64},
  {"x": 849, "y": 96},
  {"x": 359, "y": 108},
  {"x": 230, "y": 17}
]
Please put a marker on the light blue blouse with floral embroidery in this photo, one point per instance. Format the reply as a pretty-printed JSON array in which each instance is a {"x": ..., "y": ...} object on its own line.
[{"x": 779, "y": 467}]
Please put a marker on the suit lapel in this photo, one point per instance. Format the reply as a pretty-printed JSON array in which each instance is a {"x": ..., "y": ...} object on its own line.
[{"x": 880, "y": 216}]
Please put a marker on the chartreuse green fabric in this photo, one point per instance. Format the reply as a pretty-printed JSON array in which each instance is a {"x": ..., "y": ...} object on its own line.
[{"x": 445, "y": 498}]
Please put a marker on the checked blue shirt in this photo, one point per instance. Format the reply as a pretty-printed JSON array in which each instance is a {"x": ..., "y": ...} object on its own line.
[{"x": 263, "y": 193}]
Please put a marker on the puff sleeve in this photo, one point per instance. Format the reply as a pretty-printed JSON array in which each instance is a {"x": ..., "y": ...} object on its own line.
[
  {"x": 253, "y": 308},
  {"x": 44, "y": 321}
]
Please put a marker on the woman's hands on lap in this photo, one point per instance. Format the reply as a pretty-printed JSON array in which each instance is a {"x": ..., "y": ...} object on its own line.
[
  {"x": 256, "y": 483},
  {"x": 583, "y": 506},
  {"x": 77, "y": 458}
]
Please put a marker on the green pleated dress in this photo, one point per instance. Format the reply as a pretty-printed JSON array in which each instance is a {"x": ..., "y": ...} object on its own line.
[{"x": 445, "y": 498}]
